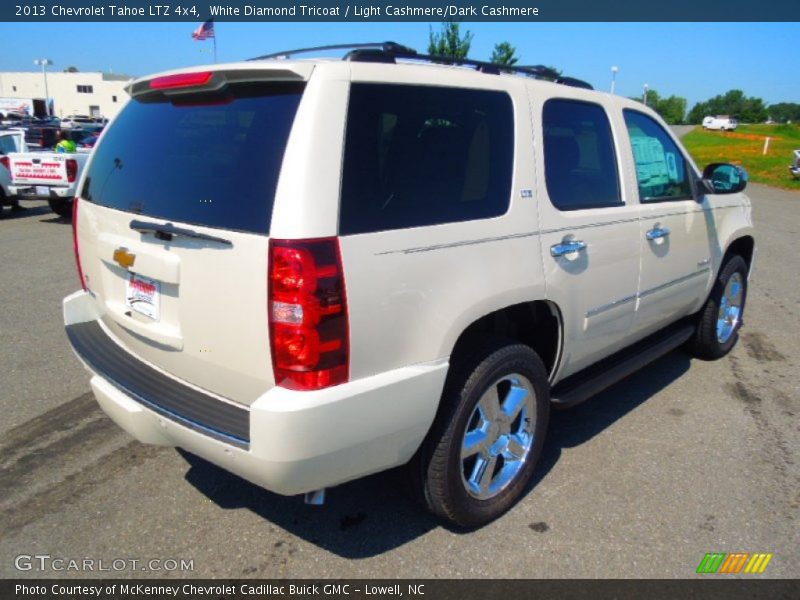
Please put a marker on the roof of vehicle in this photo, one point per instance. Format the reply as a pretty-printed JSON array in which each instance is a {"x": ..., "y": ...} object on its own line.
[
  {"x": 382, "y": 52},
  {"x": 283, "y": 65}
]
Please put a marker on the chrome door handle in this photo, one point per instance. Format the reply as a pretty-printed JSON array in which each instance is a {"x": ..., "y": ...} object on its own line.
[
  {"x": 567, "y": 248},
  {"x": 656, "y": 232}
]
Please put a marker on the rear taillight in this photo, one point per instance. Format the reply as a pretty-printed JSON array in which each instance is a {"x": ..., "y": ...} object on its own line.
[
  {"x": 4, "y": 160},
  {"x": 72, "y": 169},
  {"x": 75, "y": 245},
  {"x": 307, "y": 314}
]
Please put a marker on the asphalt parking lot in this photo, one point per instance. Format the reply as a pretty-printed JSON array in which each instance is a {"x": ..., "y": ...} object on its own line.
[{"x": 684, "y": 458}]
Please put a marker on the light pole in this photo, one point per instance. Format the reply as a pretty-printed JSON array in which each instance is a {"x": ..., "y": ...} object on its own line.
[
  {"x": 644, "y": 95},
  {"x": 44, "y": 62},
  {"x": 614, "y": 71}
]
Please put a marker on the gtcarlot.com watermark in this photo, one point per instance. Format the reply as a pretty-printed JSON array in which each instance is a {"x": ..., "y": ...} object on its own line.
[{"x": 47, "y": 562}]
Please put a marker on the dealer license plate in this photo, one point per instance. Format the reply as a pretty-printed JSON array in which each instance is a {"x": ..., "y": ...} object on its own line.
[{"x": 143, "y": 295}]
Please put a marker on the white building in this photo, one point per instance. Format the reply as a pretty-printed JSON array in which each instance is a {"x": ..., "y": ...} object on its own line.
[{"x": 91, "y": 93}]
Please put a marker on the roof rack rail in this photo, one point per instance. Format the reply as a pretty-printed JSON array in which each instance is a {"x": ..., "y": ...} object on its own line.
[
  {"x": 389, "y": 52},
  {"x": 386, "y": 47}
]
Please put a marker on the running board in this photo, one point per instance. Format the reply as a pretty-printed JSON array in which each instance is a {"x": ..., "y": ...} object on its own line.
[{"x": 591, "y": 381}]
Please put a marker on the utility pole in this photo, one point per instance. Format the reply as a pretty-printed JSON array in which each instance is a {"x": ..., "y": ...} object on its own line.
[{"x": 44, "y": 62}]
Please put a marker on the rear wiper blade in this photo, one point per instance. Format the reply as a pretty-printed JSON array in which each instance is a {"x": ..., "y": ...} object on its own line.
[{"x": 167, "y": 231}]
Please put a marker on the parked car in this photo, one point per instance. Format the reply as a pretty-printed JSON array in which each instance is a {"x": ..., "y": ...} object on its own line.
[
  {"x": 794, "y": 168},
  {"x": 11, "y": 140},
  {"x": 50, "y": 176},
  {"x": 723, "y": 122},
  {"x": 89, "y": 129},
  {"x": 77, "y": 135},
  {"x": 76, "y": 121},
  {"x": 87, "y": 143},
  {"x": 307, "y": 271},
  {"x": 12, "y": 118}
]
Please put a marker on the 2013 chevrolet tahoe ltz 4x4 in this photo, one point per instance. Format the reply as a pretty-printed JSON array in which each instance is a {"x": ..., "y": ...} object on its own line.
[{"x": 327, "y": 268}]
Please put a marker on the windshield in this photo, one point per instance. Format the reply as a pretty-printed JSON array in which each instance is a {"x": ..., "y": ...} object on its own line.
[{"x": 201, "y": 160}]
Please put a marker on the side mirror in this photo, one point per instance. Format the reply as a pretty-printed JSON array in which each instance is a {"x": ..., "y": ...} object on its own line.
[{"x": 724, "y": 178}]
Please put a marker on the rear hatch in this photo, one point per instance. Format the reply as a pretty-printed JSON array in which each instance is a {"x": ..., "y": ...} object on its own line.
[{"x": 173, "y": 220}]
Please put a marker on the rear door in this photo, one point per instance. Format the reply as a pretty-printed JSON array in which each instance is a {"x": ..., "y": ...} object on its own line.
[
  {"x": 589, "y": 232},
  {"x": 173, "y": 219}
]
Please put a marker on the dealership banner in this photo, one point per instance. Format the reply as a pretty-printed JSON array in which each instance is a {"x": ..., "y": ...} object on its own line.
[
  {"x": 399, "y": 10},
  {"x": 421, "y": 589}
]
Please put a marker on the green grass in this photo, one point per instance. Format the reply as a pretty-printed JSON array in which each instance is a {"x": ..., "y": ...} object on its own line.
[{"x": 744, "y": 147}]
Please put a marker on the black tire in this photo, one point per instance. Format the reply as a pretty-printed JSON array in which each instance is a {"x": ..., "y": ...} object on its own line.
[
  {"x": 705, "y": 343},
  {"x": 439, "y": 469},
  {"x": 61, "y": 206}
]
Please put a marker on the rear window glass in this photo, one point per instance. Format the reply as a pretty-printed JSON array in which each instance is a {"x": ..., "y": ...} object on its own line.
[
  {"x": 423, "y": 155},
  {"x": 7, "y": 144},
  {"x": 205, "y": 160}
]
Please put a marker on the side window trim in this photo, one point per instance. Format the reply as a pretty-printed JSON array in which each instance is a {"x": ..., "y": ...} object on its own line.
[{"x": 688, "y": 165}]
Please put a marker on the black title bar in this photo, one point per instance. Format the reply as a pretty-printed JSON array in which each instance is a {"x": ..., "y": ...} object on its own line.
[
  {"x": 710, "y": 587},
  {"x": 399, "y": 10}
]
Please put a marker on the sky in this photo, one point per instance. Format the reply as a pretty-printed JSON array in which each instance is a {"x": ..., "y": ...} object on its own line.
[{"x": 694, "y": 60}]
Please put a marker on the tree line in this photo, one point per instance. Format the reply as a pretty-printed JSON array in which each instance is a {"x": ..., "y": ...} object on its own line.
[{"x": 449, "y": 42}]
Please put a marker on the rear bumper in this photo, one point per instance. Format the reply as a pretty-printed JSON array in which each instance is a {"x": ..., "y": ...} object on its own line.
[
  {"x": 29, "y": 191},
  {"x": 286, "y": 441}
]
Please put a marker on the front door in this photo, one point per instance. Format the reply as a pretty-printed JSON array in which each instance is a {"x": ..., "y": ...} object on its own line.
[{"x": 673, "y": 228}]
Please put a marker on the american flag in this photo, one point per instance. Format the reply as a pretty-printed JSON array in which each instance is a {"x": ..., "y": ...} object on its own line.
[{"x": 205, "y": 31}]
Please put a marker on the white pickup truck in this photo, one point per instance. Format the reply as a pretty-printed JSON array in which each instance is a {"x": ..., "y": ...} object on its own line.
[
  {"x": 11, "y": 140},
  {"x": 52, "y": 176}
]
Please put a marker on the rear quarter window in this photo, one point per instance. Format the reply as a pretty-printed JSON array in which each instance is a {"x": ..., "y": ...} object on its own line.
[
  {"x": 209, "y": 160},
  {"x": 424, "y": 155}
]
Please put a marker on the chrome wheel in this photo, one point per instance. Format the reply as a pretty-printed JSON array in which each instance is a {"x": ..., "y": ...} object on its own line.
[
  {"x": 498, "y": 437},
  {"x": 730, "y": 308}
]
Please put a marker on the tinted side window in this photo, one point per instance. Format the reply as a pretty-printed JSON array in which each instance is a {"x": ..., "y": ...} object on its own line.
[
  {"x": 579, "y": 158},
  {"x": 660, "y": 167},
  {"x": 423, "y": 155}
]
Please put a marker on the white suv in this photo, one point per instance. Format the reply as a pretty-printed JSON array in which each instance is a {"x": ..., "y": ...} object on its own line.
[
  {"x": 77, "y": 121},
  {"x": 328, "y": 268}
]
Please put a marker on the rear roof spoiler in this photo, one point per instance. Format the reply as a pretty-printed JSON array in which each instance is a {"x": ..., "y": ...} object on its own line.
[{"x": 220, "y": 78}]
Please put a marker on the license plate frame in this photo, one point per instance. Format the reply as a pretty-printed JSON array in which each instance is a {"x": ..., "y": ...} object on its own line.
[{"x": 143, "y": 295}]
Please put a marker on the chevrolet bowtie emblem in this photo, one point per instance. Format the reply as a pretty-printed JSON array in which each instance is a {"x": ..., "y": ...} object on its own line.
[{"x": 124, "y": 258}]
